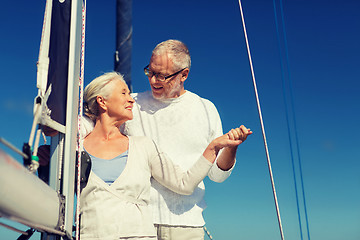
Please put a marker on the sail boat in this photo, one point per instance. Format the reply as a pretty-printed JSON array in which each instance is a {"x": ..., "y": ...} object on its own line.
[
  {"x": 42, "y": 102},
  {"x": 318, "y": 54},
  {"x": 50, "y": 208}
]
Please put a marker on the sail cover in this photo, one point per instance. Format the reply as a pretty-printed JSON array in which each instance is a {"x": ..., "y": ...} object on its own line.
[
  {"x": 59, "y": 59},
  {"x": 123, "y": 39}
]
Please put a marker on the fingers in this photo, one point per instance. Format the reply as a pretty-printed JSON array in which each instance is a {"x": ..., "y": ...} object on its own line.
[
  {"x": 240, "y": 133},
  {"x": 231, "y": 134},
  {"x": 236, "y": 134},
  {"x": 245, "y": 130}
]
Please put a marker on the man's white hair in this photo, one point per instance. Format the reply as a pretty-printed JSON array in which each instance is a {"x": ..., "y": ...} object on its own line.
[{"x": 177, "y": 51}]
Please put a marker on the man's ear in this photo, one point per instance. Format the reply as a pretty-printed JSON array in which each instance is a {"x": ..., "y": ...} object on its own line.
[{"x": 184, "y": 75}]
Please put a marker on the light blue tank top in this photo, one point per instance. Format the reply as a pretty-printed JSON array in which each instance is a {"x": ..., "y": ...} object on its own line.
[{"x": 109, "y": 170}]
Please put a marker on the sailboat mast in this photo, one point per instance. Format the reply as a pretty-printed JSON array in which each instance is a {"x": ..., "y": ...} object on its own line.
[
  {"x": 123, "y": 39},
  {"x": 72, "y": 111}
]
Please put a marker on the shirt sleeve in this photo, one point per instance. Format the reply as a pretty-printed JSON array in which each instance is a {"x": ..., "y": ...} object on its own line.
[
  {"x": 174, "y": 178},
  {"x": 216, "y": 174}
]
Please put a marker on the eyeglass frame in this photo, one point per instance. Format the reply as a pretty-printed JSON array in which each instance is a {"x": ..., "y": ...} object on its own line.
[{"x": 146, "y": 69}]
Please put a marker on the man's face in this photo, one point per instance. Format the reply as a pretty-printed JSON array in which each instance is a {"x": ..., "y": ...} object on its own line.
[{"x": 172, "y": 87}]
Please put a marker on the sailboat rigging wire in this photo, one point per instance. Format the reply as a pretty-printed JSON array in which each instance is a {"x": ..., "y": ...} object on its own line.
[
  {"x": 262, "y": 123},
  {"x": 81, "y": 87},
  {"x": 12, "y": 147},
  {"x": 293, "y": 116},
  {"x": 12, "y": 228},
  {"x": 208, "y": 233},
  {"x": 288, "y": 127}
]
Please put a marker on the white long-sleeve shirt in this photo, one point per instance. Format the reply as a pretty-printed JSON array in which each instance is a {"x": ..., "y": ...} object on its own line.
[{"x": 182, "y": 127}]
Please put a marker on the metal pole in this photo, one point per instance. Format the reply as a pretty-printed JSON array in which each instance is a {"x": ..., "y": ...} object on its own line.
[
  {"x": 123, "y": 39},
  {"x": 25, "y": 198}
]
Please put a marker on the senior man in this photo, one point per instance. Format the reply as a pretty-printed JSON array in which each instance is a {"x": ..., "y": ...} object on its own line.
[{"x": 182, "y": 124}]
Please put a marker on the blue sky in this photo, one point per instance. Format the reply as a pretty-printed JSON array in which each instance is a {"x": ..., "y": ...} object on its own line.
[{"x": 324, "y": 57}]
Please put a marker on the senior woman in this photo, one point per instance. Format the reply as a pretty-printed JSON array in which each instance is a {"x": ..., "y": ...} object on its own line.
[{"x": 114, "y": 203}]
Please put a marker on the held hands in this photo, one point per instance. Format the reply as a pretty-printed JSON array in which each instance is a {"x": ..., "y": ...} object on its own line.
[
  {"x": 231, "y": 141},
  {"x": 233, "y": 138}
]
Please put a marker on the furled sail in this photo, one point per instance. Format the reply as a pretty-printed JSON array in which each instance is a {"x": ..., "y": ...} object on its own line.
[{"x": 124, "y": 39}]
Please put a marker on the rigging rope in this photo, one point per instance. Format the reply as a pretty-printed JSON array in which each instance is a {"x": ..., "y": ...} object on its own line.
[
  {"x": 81, "y": 87},
  {"x": 12, "y": 147},
  {"x": 293, "y": 116},
  {"x": 208, "y": 233},
  {"x": 262, "y": 123},
  {"x": 12, "y": 228}
]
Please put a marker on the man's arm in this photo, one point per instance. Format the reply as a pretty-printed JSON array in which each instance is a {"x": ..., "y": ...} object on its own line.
[{"x": 227, "y": 157}]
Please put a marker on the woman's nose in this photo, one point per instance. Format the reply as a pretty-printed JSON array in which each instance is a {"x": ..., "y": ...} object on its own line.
[{"x": 131, "y": 99}]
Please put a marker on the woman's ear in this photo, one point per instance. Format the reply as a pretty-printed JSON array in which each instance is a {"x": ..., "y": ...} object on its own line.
[{"x": 101, "y": 102}]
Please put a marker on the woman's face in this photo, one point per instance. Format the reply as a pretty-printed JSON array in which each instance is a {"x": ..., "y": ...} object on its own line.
[{"x": 119, "y": 104}]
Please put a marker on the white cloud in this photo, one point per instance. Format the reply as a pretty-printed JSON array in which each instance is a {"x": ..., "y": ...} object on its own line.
[{"x": 18, "y": 106}]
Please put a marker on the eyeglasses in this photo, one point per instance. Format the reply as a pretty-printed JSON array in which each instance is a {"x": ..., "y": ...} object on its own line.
[{"x": 160, "y": 77}]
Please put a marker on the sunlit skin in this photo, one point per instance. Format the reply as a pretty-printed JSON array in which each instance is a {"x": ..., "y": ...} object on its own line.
[
  {"x": 227, "y": 158},
  {"x": 172, "y": 87},
  {"x": 118, "y": 106},
  {"x": 106, "y": 141}
]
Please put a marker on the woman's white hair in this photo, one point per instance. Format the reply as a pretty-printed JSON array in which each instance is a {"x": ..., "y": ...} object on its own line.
[
  {"x": 100, "y": 86},
  {"x": 177, "y": 51}
]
